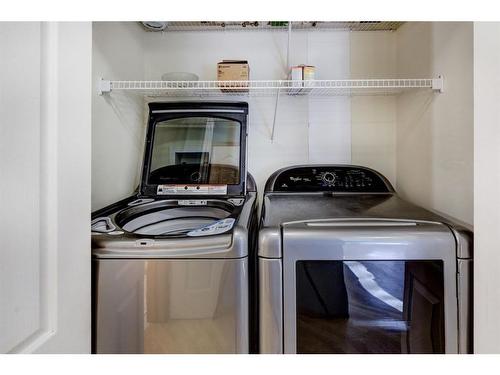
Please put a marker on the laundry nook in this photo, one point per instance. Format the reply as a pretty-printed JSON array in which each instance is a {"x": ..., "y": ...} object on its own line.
[{"x": 263, "y": 188}]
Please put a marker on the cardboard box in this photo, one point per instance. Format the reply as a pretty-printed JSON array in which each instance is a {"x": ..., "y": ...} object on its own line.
[
  {"x": 233, "y": 70},
  {"x": 300, "y": 73}
]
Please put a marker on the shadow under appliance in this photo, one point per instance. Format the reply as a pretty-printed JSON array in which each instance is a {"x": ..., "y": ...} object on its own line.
[
  {"x": 170, "y": 263},
  {"x": 346, "y": 266}
]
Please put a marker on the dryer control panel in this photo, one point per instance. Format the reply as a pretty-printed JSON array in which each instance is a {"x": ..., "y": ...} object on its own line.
[{"x": 328, "y": 178}]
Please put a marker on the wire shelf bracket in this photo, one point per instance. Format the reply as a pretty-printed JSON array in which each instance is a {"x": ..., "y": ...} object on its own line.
[
  {"x": 438, "y": 84},
  {"x": 275, "y": 113},
  {"x": 103, "y": 86}
]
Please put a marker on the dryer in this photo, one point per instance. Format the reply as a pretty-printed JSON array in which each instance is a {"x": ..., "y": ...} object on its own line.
[
  {"x": 346, "y": 266},
  {"x": 170, "y": 263}
]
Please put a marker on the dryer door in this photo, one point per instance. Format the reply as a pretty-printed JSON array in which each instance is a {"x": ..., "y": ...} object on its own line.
[{"x": 369, "y": 286}]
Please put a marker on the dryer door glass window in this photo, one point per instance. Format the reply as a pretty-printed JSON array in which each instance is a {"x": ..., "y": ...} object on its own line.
[
  {"x": 196, "y": 150},
  {"x": 370, "y": 307}
]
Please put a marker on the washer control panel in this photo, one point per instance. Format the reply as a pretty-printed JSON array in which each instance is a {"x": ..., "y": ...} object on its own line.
[{"x": 330, "y": 178}]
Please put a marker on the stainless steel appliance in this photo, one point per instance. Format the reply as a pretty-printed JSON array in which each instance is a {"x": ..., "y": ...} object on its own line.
[
  {"x": 346, "y": 266},
  {"x": 170, "y": 263}
]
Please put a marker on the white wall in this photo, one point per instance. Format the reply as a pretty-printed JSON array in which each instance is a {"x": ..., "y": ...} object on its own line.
[
  {"x": 117, "y": 120},
  {"x": 45, "y": 72},
  {"x": 486, "y": 185},
  {"x": 373, "y": 55},
  {"x": 360, "y": 130},
  {"x": 435, "y": 131},
  {"x": 307, "y": 130},
  {"x": 421, "y": 141}
]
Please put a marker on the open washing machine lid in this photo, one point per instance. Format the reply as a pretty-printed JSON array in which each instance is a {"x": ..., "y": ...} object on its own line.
[{"x": 195, "y": 149}]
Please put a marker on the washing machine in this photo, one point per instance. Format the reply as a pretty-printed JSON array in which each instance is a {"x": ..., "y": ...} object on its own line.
[
  {"x": 347, "y": 266},
  {"x": 170, "y": 263}
]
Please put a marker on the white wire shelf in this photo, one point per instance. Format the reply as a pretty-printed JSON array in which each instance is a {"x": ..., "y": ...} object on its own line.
[
  {"x": 348, "y": 87},
  {"x": 279, "y": 25}
]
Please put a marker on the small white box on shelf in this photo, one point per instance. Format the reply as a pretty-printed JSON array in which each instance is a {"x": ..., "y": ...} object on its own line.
[{"x": 300, "y": 73}]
